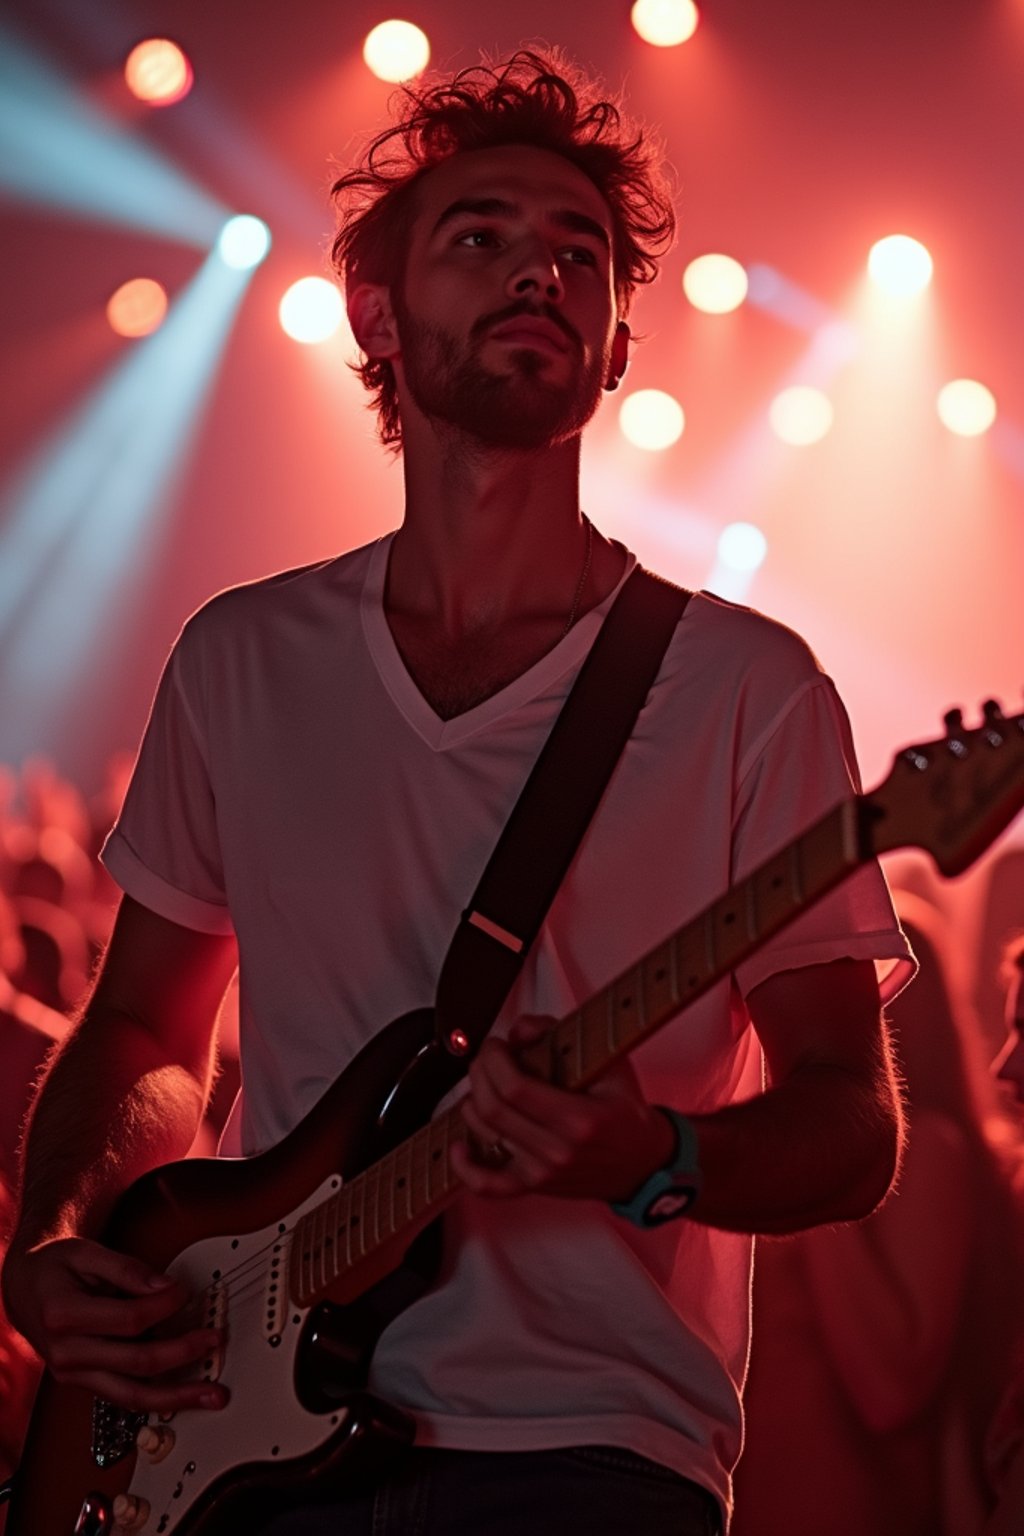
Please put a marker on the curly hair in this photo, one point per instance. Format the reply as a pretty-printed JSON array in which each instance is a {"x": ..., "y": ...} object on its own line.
[{"x": 535, "y": 99}]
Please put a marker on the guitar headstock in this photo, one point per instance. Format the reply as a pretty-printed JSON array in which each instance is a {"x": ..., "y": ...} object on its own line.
[{"x": 952, "y": 796}]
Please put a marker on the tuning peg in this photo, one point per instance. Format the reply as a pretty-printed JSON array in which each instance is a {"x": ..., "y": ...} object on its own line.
[
  {"x": 993, "y": 711},
  {"x": 953, "y": 720}
]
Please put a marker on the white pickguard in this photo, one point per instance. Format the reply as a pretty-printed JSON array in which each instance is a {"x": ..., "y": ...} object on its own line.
[{"x": 263, "y": 1421}]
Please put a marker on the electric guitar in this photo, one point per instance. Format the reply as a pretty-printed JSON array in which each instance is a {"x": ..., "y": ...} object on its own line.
[{"x": 303, "y": 1254}]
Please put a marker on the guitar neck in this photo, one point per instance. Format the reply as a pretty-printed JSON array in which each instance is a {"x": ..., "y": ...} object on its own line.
[{"x": 414, "y": 1182}]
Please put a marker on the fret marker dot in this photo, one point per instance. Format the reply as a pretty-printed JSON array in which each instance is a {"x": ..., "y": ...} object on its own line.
[
  {"x": 730, "y": 917},
  {"x": 777, "y": 883},
  {"x": 659, "y": 975},
  {"x": 627, "y": 1002}
]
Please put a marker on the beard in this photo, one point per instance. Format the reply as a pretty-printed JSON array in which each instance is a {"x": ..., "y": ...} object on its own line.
[{"x": 519, "y": 408}]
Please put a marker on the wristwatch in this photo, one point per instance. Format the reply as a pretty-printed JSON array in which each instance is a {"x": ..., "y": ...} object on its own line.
[{"x": 669, "y": 1191}]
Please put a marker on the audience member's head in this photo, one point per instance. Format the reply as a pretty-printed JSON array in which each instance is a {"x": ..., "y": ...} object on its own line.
[{"x": 1008, "y": 1065}]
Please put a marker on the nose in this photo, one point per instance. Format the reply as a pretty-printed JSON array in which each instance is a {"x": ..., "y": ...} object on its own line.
[{"x": 536, "y": 273}]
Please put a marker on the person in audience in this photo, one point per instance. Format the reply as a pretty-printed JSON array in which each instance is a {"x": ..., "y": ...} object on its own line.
[{"x": 883, "y": 1347}]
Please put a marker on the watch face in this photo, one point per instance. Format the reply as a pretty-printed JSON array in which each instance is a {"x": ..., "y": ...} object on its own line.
[{"x": 670, "y": 1203}]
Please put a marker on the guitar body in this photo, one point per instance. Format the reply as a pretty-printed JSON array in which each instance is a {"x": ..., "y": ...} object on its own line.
[{"x": 298, "y": 1410}]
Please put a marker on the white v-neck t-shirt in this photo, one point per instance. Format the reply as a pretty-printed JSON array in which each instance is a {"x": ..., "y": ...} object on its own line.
[{"x": 295, "y": 787}]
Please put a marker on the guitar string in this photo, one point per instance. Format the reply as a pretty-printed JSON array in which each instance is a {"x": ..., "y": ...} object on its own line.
[
  {"x": 253, "y": 1271},
  {"x": 251, "y": 1275}
]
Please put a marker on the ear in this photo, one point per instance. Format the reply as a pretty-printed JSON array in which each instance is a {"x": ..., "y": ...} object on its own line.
[
  {"x": 620, "y": 355},
  {"x": 373, "y": 320}
]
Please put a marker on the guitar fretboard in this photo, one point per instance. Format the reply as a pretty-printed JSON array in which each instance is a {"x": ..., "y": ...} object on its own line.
[{"x": 414, "y": 1181}]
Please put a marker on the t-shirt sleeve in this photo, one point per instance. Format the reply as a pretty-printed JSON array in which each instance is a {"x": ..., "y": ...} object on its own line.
[
  {"x": 802, "y": 766},
  {"x": 164, "y": 850}
]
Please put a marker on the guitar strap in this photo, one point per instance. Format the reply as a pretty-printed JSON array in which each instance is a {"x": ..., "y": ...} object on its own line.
[{"x": 554, "y": 810}]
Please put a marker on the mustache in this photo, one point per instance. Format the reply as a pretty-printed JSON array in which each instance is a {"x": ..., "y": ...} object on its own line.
[{"x": 535, "y": 312}]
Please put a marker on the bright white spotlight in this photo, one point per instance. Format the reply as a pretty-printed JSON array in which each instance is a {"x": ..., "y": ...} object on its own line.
[
  {"x": 716, "y": 284},
  {"x": 966, "y": 407},
  {"x": 311, "y": 310},
  {"x": 801, "y": 415},
  {"x": 665, "y": 23},
  {"x": 899, "y": 265},
  {"x": 137, "y": 308},
  {"x": 157, "y": 72},
  {"x": 652, "y": 420},
  {"x": 396, "y": 51},
  {"x": 244, "y": 241},
  {"x": 742, "y": 547}
]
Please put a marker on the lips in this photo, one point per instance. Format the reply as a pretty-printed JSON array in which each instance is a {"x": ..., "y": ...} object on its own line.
[{"x": 529, "y": 331}]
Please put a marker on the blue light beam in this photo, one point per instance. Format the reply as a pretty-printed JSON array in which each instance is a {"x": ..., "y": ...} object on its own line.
[
  {"x": 88, "y": 508},
  {"x": 59, "y": 151}
]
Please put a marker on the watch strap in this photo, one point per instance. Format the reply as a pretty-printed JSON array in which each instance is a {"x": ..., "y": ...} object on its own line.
[{"x": 670, "y": 1190}]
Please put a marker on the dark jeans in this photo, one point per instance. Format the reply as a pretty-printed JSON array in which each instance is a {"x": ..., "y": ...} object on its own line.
[{"x": 593, "y": 1489}]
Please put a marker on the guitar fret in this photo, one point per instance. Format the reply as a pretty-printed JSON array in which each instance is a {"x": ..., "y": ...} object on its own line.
[
  {"x": 403, "y": 1177},
  {"x": 388, "y": 1171},
  {"x": 372, "y": 1218},
  {"x": 346, "y": 1217},
  {"x": 359, "y": 1214},
  {"x": 420, "y": 1196}
]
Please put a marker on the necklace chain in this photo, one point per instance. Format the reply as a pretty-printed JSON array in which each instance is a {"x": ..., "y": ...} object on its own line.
[{"x": 584, "y": 573}]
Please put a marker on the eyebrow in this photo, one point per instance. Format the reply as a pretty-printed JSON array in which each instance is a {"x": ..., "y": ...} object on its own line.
[{"x": 499, "y": 207}]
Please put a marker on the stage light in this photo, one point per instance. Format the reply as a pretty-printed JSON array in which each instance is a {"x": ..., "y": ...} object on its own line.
[
  {"x": 396, "y": 51},
  {"x": 137, "y": 308},
  {"x": 652, "y": 420},
  {"x": 58, "y": 150},
  {"x": 900, "y": 266},
  {"x": 801, "y": 415},
  {"x": 742, "y": 547},
  {"x": 715, "y": 284},
  {"x": 311, "y": 310},
  {"x": 966, "y": 407},
  {"x": 243, "y": 242},
  {"x": 665, "y": 23},
  {"x": 158, "y": 72},
  {"x": 83, "y": 516}
]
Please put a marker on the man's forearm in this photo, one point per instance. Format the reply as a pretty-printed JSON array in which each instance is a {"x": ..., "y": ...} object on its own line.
[
  {"x": 821, "y": 1147},
  {"x": 112, "y": 1106}
]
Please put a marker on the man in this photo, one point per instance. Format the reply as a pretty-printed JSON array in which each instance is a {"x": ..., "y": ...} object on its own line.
[{"x": 332, "y": 756}]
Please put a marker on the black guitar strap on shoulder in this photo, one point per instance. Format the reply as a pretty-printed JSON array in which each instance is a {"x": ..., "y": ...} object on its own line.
[{"x": 554, "y": 809}]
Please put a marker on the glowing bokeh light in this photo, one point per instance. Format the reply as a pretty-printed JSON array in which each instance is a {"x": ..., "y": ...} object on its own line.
[
  {"x": 966, "y": 407},
  {"x": 801, "y": 415},
  {"x": 59, "y": 150},
  {"x": 311, "y": 310},
  {"x": 396, "y": 51},
  {"x": 243, "y": 242},
  {"x": 665, "y": 23},
  {"x": 157, "y": 72},
  {"x": 137, "y": 308},
  {"x": 651, "y": 419},
  {"x": 715, "y": 284},
  {"x": 900, "y": 266},
  {"x": 742, "y": 547}
]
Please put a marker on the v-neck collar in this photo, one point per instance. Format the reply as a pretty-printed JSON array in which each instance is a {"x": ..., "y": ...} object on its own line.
[{"x": 394, "y": 674}]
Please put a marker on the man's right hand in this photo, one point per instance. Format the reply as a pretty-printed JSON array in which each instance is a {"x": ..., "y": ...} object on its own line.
[{"x": 88, "y": 1312}]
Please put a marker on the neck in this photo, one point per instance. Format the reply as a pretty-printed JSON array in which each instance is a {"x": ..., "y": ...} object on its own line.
[{"x": 488, "y": 537}]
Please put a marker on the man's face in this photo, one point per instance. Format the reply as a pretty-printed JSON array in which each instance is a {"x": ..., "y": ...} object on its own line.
[
  {"x": 507, "y": 311},
  {"x": 1009, "y": 1064}
]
